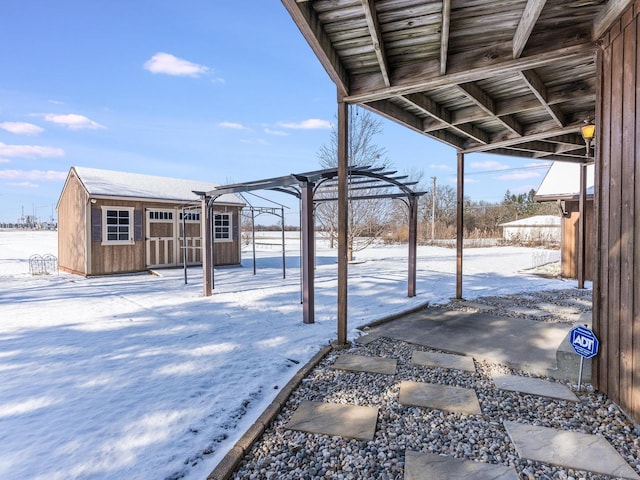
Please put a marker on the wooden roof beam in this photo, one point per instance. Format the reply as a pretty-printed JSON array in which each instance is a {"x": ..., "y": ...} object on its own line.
[
  {"x": 532, "y": 11},
  {"x": 510, "y": 142},
  {"x": 376, "y": 36},
  {"x": 307, "y": 21},
  {"x": 539, "y": 90},
  {"x": 485, "y": 102},
  {"x": 440, "y": 113},
  {"x": 426, "y": 75},
  {"x": 609, "y": 14},
  {"x": 444, "y": 35}
]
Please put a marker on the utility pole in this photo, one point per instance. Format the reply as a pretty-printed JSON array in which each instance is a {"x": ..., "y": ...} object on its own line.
[{"x": 433, "y": 210}]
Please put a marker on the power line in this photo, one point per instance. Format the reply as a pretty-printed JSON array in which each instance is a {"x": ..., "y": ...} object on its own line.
[{"x": 533, "y": 167}]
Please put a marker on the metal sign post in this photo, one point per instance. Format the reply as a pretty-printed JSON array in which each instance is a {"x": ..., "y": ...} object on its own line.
[{"x": 585, "y": 344}]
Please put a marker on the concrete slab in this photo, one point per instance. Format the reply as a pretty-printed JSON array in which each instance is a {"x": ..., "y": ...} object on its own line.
[
  {"x": 534, "y": 386},
  {"x": 428, "y": 466},
  {"x": 443, "y": 360},
  {"x": 521, "y": 343},
  {"x": 441, "y": 397},
  {"x": 579, "y": 451},
  {"x": 334, "y": 419},
  {"x": 361, "y": 363}
]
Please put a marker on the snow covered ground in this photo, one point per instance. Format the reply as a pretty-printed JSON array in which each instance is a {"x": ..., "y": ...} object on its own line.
[{"x": 140, "y": 376}]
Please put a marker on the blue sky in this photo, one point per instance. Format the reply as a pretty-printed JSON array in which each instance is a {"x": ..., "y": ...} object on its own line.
[{"x": 212, "y": 90}]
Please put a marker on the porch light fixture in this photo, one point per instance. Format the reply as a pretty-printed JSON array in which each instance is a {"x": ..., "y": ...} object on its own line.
[{"x": 588, "y": 131}]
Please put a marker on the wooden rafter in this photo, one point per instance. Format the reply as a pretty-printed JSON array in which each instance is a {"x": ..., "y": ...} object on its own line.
[
  {"x": 485, "y": 102},
  {"x": 539, "y": 90},
  {"x": 609, "y": 13},
  {"x": 510, "y": 142},
  {"x": 416, "y": 78},
  {"x": 442, "y": 115},
  {"x": 444, "y": 35},
  {"x": 532, "y": 11},
  {"x": 376, "y": 36},
  {"x": 313, "y": 32}
]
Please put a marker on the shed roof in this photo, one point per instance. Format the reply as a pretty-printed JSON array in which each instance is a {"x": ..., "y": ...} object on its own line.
[
  {"x": 111, "y": 183},
  {"x": 562, "y": 181},
  {"x": 511, "y": 77},
  {"x": 536, "y": 221}
]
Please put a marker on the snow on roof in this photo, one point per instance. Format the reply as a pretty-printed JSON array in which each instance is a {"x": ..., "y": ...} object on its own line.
[
  {"x": 137, "y": 185},
  {"x": 535, "y": 221},
  {"x": 563, "y": 180}
]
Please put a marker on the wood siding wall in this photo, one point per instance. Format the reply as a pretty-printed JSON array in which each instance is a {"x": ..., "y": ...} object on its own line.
[
  {"x": 569, "y": 246},
  {"x": 616, "y": 311},
  {"x": 72, "y": 228}
]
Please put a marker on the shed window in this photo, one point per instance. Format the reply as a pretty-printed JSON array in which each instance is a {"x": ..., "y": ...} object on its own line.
[
  {"x": 222, "y": 227},
  {"x": 118, "y": 225}
]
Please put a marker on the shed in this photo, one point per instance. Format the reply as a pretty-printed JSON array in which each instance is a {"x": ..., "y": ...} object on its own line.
[
  {"x": 117, "y": 222},
  {"x": 562, "y": 184},
  {"x": 543, "y": 229}
]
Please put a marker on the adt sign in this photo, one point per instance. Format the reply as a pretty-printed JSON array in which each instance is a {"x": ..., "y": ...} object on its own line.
[{"x": 584, "y": 342}]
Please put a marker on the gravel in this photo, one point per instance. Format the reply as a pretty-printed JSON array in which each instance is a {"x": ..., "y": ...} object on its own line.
[{"x": 286, "y": 454}]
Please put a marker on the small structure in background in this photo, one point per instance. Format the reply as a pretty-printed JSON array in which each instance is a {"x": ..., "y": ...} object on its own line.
[
  {"x": 116, "y": 222},
  {"x": 536, "y": 230},
  {"x": 561, "y": 184}
]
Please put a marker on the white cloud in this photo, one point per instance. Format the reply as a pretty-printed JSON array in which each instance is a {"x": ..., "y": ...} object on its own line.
[
  {"x": 4, "y": 160},
  {"x": 21, "y": 128},
  {"x": 519, "y": 176},
  {"x": 466, "y": 180},
  {"x": 234, "y": 125},
  {"x": 489, "y": 165},
  {"x": 275, "y": 132},
  {"x": 29, "y": 151},
  {"x": 72, "y": 121},
  {"x": 23, "y": 184},
  {"x": 440, "y": 166},
  {"x": 310, "y": 124},
  {"x": 171, "y": 65},
  {"x": 23, "y": 176}
]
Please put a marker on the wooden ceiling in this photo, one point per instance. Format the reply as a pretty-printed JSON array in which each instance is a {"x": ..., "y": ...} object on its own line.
[{"x": 511, "y": 77}]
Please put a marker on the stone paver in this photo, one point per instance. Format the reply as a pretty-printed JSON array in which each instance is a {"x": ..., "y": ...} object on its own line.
[
  {"x": 529, "y": 312},
  {"x": 361, "y": 363},
  {"x": 365, "y": 339},
  {"x": 428, "y": 466},
  {"x": 334, "y": 419},
  {"x": 579, "y": 451},
  {"x": 521, "y": 343},
  {"x": 557, "y": 309},
  {"x": 441, "y": 397},
  {"x": 476, "y": 305},
  {"x": 534, "y": 386},
  {"x": 443, "y": 360}
]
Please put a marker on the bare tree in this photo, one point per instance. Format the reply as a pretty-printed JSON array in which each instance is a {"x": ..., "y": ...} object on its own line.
[{"x": 367, "y": 218}]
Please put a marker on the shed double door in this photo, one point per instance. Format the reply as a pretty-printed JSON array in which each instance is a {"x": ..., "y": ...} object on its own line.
[{"x": 164, "y": 238}]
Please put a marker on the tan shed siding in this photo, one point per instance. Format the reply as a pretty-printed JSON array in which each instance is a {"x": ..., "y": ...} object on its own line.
[
  {"x": 106, "y": 259},
  {"x": 228, "y": 253},
  {"x": 72, "y": 232},
  {"x": 617, "y": 287}
]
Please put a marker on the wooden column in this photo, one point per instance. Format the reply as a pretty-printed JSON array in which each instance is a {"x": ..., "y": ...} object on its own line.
[
  {"x": 582, "y": 225},
  {"x": 460, "y": 225},
  {"x": 307, "y": 254},
  {"x": 207, "y": 246},
  {"x": 343, "y": 218},
  {"x": 413, "y": 242}
]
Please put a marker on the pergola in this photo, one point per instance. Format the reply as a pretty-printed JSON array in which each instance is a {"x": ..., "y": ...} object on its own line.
[
  {"x": 364, "y": 182},
  {"x": 513, "y": 77}
]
